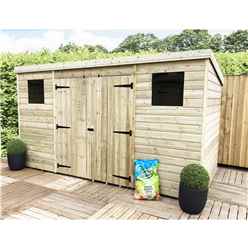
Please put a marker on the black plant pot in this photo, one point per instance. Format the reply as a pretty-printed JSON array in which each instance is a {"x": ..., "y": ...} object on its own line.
[
  {"x": 192, "y": 201},
  {"x": 16, "y": 161}
]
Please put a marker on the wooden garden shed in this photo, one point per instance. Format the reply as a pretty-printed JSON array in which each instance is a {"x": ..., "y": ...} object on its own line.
[{"x": 91, "y": 119}]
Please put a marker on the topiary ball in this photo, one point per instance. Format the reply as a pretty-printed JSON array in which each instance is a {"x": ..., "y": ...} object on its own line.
[
  {"x": 16, "y": 146},
  {"x": 195, "y": 176}
]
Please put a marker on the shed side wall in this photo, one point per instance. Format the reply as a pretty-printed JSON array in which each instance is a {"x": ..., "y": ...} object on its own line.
[
  {"x": 171, "y": 134},
  {"x": 211, "y": 121},
  {"x": 36, "y": 125}
]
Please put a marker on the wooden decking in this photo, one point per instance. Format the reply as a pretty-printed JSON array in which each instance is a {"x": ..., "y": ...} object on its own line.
[{"x": 34, "y": 194}]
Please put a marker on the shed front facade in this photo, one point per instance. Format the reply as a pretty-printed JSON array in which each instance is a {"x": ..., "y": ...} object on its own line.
[{"x": 92, "y": 119}]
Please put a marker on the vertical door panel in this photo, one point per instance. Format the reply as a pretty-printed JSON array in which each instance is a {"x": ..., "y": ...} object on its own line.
[
  {"x": 101, "y": 130},
  {"x": 79, "y": 132},
  {"x": 91, "y": 125},
  {"x": 72, "y": 142},
  {"x": 97, "y": 120},
  {"x": 120, "y": 101},
  {"x": 63, "y": 118}
]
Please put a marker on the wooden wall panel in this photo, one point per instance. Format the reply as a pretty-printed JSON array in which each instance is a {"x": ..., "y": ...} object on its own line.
[
  {"x": 211, "y": 120},
  {"x": 171, "y": 134},
  {"x": 36, "y": 122},
  {"x": 234, "y": 122}
]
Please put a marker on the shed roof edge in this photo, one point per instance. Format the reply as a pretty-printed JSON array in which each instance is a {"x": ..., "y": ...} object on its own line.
[{"x": 163, "y": 57}]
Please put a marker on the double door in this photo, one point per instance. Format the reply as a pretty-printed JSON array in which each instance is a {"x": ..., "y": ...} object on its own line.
[{"x": 94, "y": 136}]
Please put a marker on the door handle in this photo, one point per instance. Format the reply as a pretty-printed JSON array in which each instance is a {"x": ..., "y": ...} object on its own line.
[{"x": 90, "y": 129}]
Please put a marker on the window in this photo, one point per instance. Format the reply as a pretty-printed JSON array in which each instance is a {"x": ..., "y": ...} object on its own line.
[
  {"x": 167, "y": 89},
  {"x": 35, "y": 91}
]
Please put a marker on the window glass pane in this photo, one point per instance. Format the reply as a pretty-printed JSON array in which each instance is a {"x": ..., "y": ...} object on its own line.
[
  {"x": 36, "y": 91},
  {"x": 167, "y": 89}
]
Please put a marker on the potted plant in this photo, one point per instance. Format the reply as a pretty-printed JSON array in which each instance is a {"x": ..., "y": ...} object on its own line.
[
  {"x": 193, "y": 191},
  {"x": 16, "y": 153}
]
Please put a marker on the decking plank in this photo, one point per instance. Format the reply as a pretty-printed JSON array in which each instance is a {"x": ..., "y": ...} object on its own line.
[
  {"x": 4, "y": 180},
  {"x": 242, "y": 213},
  {"x": 144, "y": 217},
  {"x": 184, "y": 216},
  {"x": 245, "y": 180},
  {"x": 233, "y": 213},
  {"x": 233, "y": 177},
  {"x": 67, "y": 206},
  {"x": 15, "y": 195},
  {"x": 219, "y": 175},
  {"x": 21, "y": 174},
  {"x": 229, "y": 193},
  {"x": 127, "y": 214},
  {"x": 109, "y": 214},
  {"x": 226, "y": 176},
  {"x": 204, "y": 215},
  {"x": 135, "y": 216},
  {"x": 224, "y": 212},
  {"x": 215, "y": 210},
  {"x": 102, "y": 211},
  {"x": 194, "y": 216},
  {"x": 239, "y": 178},
  {"x": 119, "y": 213}
]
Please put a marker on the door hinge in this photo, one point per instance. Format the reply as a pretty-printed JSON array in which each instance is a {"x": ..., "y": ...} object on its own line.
[
  {"x": 124, "y": 85},
  {"x": 122, "y": 177},
  {"x": 58, "y": 126},
  {"x": 61, "y": 87},
  {"x": 62, "y": 166},
  {"x": 124, "y": 132}
]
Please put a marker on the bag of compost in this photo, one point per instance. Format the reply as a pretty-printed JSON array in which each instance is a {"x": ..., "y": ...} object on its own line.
[{"x": 146, "y": 179}]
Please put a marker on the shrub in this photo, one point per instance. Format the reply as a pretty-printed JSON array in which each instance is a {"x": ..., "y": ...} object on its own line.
[
  {"x": 195, "y": 176},
  {"x": 16, "y": 146},
  {"x": 233, "y": 63},
  {"x": 7, "y": 134}
]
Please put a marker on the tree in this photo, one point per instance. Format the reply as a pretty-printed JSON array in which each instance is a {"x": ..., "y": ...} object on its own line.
[
  {"x": 236, "y": 41},
  {"x": 97, "y": 48},
  {"x": 169, "y": 43},
  {"x": 188, "y": 39},
  {"x": 70, "y": 47},
  {"x": 216, "y": 43},
  {"x": 139, "y": 42}
]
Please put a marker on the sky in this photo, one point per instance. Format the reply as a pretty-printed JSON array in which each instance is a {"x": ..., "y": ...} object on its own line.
[{"x": 22, "y": 40}]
